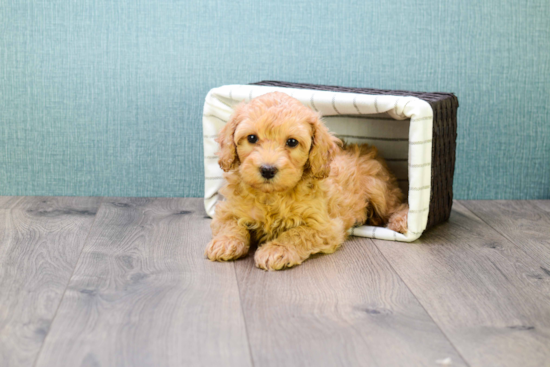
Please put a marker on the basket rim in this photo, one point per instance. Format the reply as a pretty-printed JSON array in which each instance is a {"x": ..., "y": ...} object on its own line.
[{"x": 429, "y": 97}]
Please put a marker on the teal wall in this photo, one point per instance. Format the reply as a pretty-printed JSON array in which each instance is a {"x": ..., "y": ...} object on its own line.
[{"x": 105, "y": 97}]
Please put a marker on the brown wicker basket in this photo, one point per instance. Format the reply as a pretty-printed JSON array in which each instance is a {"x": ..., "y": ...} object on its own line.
[{"x": 444, "y": 106}]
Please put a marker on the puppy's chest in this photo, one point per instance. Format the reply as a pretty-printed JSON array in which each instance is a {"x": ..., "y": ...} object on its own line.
[{"x": 269, "y": 220}]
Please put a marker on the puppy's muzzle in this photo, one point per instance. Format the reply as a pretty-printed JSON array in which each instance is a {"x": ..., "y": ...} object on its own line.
[{"x": 268, "y": 172}]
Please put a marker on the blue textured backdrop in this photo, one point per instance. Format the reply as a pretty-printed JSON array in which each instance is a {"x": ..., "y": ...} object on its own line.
[{"x": 105, "y": 97}]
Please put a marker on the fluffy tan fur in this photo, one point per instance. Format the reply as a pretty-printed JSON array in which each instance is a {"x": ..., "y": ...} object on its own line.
[{"x": 322, "y": 187}]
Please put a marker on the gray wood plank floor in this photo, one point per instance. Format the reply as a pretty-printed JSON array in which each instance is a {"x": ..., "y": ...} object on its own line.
[
  {"x": 40, "y": 243},
  {"x": 489, "y": 297},
  {"x": 123, "y": 282},
  {"x": 345, "y": 309},
  {"x": 520, "y": 222},
  {"x": 143, "y": 295}
]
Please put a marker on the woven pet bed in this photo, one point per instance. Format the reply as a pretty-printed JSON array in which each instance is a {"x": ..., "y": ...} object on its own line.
[{"x": 415, "y": 132}]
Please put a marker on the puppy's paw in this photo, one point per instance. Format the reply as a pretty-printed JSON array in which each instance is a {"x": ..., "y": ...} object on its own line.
[
  {"x": 398, "y": 221},
  {"x": 273, "y": 256},
  {"x": 224, "y": 249}
]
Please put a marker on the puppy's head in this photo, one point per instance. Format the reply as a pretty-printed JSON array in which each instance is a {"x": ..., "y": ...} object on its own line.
[{"x": 274, "y": 141}]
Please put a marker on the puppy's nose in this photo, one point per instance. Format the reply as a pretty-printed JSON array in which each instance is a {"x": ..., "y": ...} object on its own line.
[{"x": 268, "y": 171}]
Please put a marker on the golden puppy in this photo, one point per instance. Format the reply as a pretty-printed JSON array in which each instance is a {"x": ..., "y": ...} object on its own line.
[{"x": 294, "y": 188}]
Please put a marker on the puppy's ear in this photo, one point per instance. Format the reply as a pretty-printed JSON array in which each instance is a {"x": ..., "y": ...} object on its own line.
[
  {"x": 323, "y": 149},
  {"x": 228, "y": 150}
]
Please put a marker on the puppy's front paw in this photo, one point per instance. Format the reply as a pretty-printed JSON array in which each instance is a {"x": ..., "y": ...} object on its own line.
[
  {"x": 273, "y": 256},
  {"x": 224, "y": 249}
]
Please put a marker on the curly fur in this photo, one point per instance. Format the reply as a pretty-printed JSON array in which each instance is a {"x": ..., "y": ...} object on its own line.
[{"x": 321, "y": 189}]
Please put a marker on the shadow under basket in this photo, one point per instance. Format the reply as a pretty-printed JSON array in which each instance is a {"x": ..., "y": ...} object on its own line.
[{"x": 415, "y": 132}]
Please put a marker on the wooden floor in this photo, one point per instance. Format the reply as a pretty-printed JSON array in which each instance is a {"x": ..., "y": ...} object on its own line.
[{"x": 123, "y": 282}]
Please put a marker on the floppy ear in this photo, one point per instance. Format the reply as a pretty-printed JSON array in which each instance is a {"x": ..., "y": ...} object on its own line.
[
  {"x": 228, "y": 150},
  {"x": 323, "y": 149}
]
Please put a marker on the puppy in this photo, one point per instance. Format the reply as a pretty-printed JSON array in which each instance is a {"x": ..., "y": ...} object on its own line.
[{"x": 293, "y": 188}]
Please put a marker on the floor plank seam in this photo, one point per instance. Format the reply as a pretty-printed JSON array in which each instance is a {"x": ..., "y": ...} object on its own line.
[
  {"x": 242, "y": 314},
  {"x": 421, "y": 304},
  {"x": 500, "y": 233},
  {"x": 67, "y": 285}
]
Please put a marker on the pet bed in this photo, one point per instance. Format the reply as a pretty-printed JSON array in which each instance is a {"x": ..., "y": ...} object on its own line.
[{"x": 415, "y": 132}]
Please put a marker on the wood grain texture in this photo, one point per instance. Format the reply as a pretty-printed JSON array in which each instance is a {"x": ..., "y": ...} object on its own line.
[
  {"x": 40, "y": 242},
  {"x": 543, "y": 204},
  {"x": 344, "y": 309},
  {"x": 522, "y": 222},
  {"x": 143, "y": 294},
  {"x": 6, "y": 202},
  {"x": 489, "y": 297}
]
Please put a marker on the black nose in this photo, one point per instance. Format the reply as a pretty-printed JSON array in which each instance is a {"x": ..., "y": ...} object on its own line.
[{"x": 268, "y": 171}]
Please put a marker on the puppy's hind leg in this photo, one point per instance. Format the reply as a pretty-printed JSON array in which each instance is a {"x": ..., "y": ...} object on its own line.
[
  {"x": 386, "y": 205},
  {"x": 398, "y": 220}
]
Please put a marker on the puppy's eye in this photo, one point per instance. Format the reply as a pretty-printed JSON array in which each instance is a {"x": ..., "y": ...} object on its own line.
[
  {"x": 292, "y": 142},
  {"x": 252, "y": 139}
]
